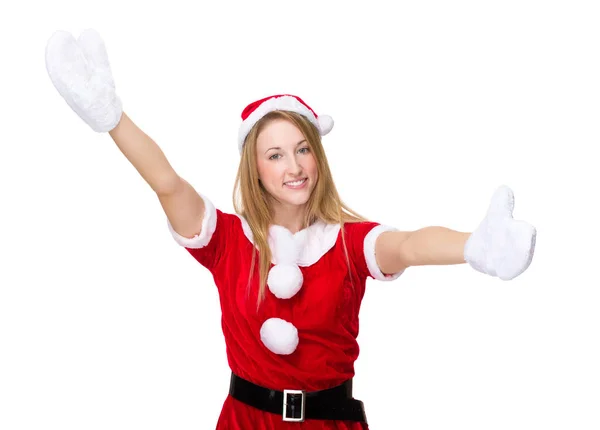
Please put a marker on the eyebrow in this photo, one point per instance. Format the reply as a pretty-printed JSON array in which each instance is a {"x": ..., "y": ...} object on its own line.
[{"x": 278, "y": 147}]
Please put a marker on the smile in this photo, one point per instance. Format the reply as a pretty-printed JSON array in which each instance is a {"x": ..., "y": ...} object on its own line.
[{"x": 296, "y": 184}]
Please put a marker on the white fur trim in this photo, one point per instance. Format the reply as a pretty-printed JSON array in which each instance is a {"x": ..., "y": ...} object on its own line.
[
  {"x": 311, "y": 243},
  {"x": 325, "y": 124},
  {"x": 369, "y": 250},
  {"x": 283, "y": 244},
  {"x": 285, "y": 280},
  {"x": 279, "y": 336},
  {"x": 209, "y": 224},
  {"x": 288, "y": 103}
]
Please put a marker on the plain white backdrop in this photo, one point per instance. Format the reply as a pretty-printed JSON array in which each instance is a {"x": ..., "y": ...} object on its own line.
[{"x": 106, "y": 323}]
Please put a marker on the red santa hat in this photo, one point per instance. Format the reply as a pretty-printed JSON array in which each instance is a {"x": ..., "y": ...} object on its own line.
[{"x": 256, "y": 110}]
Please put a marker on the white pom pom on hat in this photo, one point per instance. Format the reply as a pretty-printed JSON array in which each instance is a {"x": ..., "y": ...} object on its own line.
[
  {"x": 325, "y": 124},
  {"x": 256, "y": 110}
]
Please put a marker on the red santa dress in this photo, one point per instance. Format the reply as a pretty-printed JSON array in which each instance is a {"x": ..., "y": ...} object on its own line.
[{"x": 304, "y": 342}]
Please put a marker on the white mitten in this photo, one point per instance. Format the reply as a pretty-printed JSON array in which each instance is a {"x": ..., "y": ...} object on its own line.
[
  {"x": 80, "y": 71},
  {"x": 501, "y": 246}
]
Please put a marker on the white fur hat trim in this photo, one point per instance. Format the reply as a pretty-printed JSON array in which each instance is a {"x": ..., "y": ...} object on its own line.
[
  {"x": 279, "y": 336},
  {"x": 324, "y": 123}
]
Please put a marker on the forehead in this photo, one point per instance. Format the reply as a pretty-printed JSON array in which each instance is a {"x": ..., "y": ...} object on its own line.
[{"x": 279, "y": 132}]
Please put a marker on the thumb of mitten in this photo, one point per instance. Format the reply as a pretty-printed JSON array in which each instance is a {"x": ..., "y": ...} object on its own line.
[{"x": 502, "y": 203}]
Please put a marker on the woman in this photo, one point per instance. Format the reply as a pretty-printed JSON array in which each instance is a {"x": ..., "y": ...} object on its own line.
[{"x": 291, "y": 264}]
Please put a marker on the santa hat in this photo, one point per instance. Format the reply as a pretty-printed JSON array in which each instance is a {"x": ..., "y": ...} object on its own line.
[{"x": 256, "y": 110}]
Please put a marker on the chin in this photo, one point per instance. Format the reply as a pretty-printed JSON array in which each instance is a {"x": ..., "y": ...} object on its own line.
[
  {"x": 294, "y": 198},
  {"x": 298, "y": 201}
]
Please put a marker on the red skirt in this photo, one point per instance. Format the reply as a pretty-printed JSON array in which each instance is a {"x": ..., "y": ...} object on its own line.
[{"x": 236, "y": 415}]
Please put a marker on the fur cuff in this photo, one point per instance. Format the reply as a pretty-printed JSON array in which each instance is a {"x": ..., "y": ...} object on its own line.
[
  {"x": 209, "y": 224},
  {"x": 369, "y": 250}
]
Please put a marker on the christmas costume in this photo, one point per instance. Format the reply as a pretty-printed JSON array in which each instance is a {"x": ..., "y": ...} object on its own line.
[
  {"x": 304, "y": 342},
  {"x": 303, "y": 336}
]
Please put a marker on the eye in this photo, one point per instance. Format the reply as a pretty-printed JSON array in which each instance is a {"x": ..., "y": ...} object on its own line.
[
  {"x": 306, "y": 149},
  {"x": 274, "y": 155}
]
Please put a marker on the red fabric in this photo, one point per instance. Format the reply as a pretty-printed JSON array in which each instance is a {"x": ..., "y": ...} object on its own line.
[
  {"x": 252, "y": 106},
  {"x": 325, "y": 312}
]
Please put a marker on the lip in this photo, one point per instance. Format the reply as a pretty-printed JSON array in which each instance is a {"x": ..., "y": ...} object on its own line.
[{"x": 298, "y": 187}]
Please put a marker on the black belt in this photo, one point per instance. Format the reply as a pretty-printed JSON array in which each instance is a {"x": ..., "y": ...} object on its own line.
[{"x": 334, "y": 403}]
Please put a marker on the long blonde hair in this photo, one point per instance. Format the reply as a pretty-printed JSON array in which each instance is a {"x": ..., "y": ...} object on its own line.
[{"x": 250, "y": 199}]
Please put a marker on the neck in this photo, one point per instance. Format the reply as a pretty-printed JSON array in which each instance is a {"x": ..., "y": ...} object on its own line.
[{"x": 290, "y": 217}]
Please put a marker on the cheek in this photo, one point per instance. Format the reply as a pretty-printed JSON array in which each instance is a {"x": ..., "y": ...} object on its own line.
[
  {"x": 267, "y": 172},
  {"x": 313, "y": 168},
  {"x": 260, "y": 169}
]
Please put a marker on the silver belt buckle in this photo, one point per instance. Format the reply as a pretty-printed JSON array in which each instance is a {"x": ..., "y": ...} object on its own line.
[{"x": 292, "y": 411}]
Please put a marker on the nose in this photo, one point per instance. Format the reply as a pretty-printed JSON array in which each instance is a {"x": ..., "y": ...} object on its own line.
[{"x": 294, "y": 166}]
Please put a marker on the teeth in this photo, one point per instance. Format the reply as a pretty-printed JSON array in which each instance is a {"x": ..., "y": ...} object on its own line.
[{"x": 295, "y": 183}]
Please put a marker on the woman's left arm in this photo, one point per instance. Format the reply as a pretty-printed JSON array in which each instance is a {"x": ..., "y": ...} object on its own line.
[
  {"x": 397, "y": 250},
  {"x": 501, "y": 246}
]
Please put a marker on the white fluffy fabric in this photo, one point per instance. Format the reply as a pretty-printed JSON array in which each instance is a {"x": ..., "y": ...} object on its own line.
[
  {"x": 501, "y": 246},
  {"x": 283, "y": 244},
  {"x": 279, "y": 336},
  {"x": 285, "y": 277},
  {"x": 325, "y": 124},
  {"x": 369, "y": 251},
  {"x": 285, "y": 280},
  {"x": 209, "y": 225},
  {"x": 313, "y": 241},
  {"x": 80, "y": 71},
  {"x": 287, "y": 103}
]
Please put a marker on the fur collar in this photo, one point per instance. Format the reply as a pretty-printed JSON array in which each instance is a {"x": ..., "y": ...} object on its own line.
[{"x": 305, "y": 247}]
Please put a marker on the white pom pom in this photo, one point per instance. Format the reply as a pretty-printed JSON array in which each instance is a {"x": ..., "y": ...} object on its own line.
[
  {"x": 285, "y": 280},
  {"x": 279, "y": 336},
  {"x": 325, "y": 124}
]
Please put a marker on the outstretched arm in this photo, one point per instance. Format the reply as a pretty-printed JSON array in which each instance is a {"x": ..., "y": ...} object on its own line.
[
  {"x": 397, "y": 250},
  {"x": 180, "y": 201},
  {"x": 80, "y": 71},
  {"x": 500, "y": 246}
]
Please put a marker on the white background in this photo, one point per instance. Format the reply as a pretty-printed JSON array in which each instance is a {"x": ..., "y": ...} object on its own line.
[{"x": 106, "y": 323}]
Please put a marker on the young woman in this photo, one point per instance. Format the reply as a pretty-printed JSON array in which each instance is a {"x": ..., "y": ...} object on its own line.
[{"x": 291, "y": 264}]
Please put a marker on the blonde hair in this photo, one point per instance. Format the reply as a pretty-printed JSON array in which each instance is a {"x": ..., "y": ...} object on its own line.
[{"x": 250, "y": 199}]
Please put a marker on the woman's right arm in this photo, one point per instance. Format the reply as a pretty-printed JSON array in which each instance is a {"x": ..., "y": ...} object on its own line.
[
  {"x": 80, "y": 71},
  {"x": 182, "y": 204}
]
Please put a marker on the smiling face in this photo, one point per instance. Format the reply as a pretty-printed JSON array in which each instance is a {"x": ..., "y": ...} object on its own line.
[{"x": 286, "y": 166}]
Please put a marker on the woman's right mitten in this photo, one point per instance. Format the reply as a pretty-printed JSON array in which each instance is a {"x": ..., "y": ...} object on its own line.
[{"x": 80, "y": 71}]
